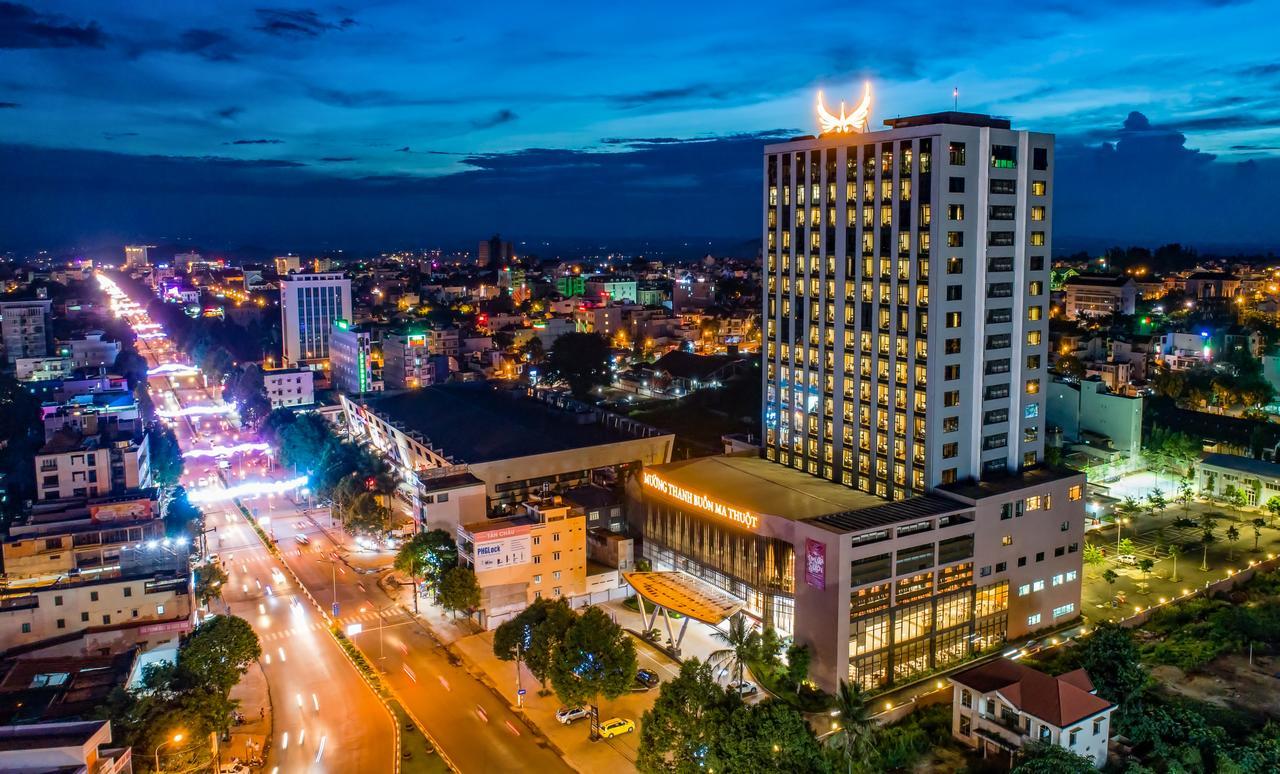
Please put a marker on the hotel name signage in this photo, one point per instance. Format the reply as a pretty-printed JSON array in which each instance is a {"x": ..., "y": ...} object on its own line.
[{"x": 709, "y": 504}]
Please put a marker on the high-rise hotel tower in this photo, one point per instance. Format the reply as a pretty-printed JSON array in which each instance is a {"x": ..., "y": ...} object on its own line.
[{"x": 906, "y": 304}]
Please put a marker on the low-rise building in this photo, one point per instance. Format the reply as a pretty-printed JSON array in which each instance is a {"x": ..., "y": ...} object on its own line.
[
  {"x": 610, "y": 288},
  {"x": 73, "y": 747},
  {"x": 72, "y": 465},
  {"x": 1002, "y": 706},
  {"x": 1096, "y": 295},
  {"x": 1257, "y": 480},
  {"x": 289, "y": 387},
  {"x": 92, "y": 351},
  {"x": 1087, "y": 412},
  {"x": 70, "y": 538},
  {"x": 42, "y": 369},
  {"x": 540, "y": 553},
  {"x": 406, "y": 361}
]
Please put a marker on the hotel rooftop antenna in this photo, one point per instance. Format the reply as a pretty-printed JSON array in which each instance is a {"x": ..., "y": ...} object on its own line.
[{"x": 955, "y": 98}]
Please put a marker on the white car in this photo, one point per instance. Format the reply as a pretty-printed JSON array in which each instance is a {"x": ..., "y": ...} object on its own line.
[
  {"x": 1127, "y": 559},
  {"x": 744, "y": 688},
  {"x": 567, "y": 715}
]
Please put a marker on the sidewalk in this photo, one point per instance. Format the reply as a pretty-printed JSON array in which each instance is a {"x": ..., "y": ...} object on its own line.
[
  {"x": 475, "y": 649},
  {"x": 248, "y": 738}
]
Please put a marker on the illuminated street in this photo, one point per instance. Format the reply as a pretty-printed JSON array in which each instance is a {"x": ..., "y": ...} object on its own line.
[{"x": 315, "y": 691}]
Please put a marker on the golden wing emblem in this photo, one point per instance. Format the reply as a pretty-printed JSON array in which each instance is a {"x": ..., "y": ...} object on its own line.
[{"x": 846, "y": 122}]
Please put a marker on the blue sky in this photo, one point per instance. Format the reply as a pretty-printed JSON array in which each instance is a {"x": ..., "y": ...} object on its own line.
[{"x": 393, "y": 123}]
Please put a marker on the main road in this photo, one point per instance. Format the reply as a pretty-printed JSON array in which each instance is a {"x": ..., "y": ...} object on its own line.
[{"x": 325, "y": 718}]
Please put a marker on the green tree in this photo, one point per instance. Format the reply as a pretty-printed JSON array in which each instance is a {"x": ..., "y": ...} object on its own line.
[
  {"x": 533, "y": 635},
  {"x": 459, "y": 591},
  {"x": 798, "y": 660},
  {"x": 681, "y": 732},
  {"x": 1175, "y": 550},
  {"x": 217, "y": 653},
  {"x": 1047, "y": 758},
  {"x": 1187, "y": 493},
  {"x": 1111, "y": 658},
  {"x": 1093, "y": 554},
  {"x": 1156, "y": 503},
  {"x": 1125, "y": 546},
  {"x": 1145, "y": 564},
  {"x": 181, "y": 518},
  {"x": 1273, "y": 509},
  {"x": 596, "y": 658},
  {"x": 132, "y": 366},
  {"x": 166, "y": 456},
  {"x": 770, "y": 737},
  {"x": 1257, "y": 525},
  {"x": 1236, "y": 499},
  {"x": 366, "y": 515},
  {"x": 741, "y": 644},
  {"x": 770, "y": 648},
  {"x": 209, "y": 579},
  {"x": 1127, "y": 510},
  {"x": 1233, "y": 536},
  {"x": 581, "y": 360},
  {"x": 426, "y": 557},
  {"x": 1070, "y": 365},
  {"x": 853, "y": 738},
  {"x": 1110, "y": 576},
  {"x": 1208, "y": 523}
]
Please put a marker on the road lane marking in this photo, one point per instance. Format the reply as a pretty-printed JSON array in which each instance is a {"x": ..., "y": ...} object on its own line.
[
  {"x": 480, "y": 711},
  {"x": 512, "y": 728},
  {"x": 410, "y": 673},
  {"x": 444, "y": 682}
]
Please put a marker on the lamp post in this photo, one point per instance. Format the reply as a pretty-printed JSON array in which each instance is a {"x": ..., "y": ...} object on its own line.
[{"x": 174, "y": 740}]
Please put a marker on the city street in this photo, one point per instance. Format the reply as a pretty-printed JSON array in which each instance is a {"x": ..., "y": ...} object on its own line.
[
  {"x": 314, "y": 689},
  {"x": 456, "y": 708}
]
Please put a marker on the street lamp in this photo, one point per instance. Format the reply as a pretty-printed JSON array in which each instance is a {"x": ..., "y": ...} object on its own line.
[{"x": 178, "y": 737}]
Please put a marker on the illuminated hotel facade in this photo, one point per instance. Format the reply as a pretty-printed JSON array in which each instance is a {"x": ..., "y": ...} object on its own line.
[
  {"x": 906, "y": 304},
  {"x": 898, "y": 519},
  {"x": 309, "y": 305}
]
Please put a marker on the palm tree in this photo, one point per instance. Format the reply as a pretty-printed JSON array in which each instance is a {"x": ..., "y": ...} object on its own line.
[
  {"x": 1233, "y": 535},
  {"x": 742, "y": 643},
  {"x": 1175, "y": 550},
  {"x": 853, "y": 735}
]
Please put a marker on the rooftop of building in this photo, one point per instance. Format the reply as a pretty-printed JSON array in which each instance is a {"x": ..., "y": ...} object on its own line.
[
  {"x": 1243, "y": 465},
  {"x": 70, "y": 440},
  {"x": 438, "y": 483},
  {"x": 953, "y": 117},
  {"x": 1212, "y": 275},
  {"x": 1060, "y": 700},
  {"x": 476, "y": 422},
  {"x": 591, "y": 497},
  {"x": 59, "y": 687},
  {"x": 687, "y": 365},
  {"x": 760, "y": 486},
  {"x": 1100, "y": 280},
  {"x": 23, "y": 738},
  {"x": 971, "y": 489}
]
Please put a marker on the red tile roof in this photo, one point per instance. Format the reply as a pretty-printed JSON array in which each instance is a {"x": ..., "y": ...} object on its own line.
[{"x": 1061, "y": 700}]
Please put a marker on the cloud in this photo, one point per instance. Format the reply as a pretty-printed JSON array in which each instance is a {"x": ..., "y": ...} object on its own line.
[
  {"x": 499, "y": 118},
  {"x": 297, "y": 24},
  {"x": 253, "y": 142},
  {"x": 117, "y": 135},
  {"x": 9, "y": 105},
  {"x": 697, "y": 91},
  {"x": 25, "y": 27},
  {"x": 228, "y": 113},
  {"x": 337, "y": 159},
  {"x": 213, "y": 45},
  {"x": 1147, "y": 186},
  {"x": 365, "y": 98}
]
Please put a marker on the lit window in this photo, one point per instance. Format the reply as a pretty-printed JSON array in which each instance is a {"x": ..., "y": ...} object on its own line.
[
  {"x": 1024, "y": 589},
  {"x": 1032, "y": 620},
  {"x": 1037, "y": 585},
  {"x": 1075, "y": 492},
  {"x": 1007, "y": 540}
]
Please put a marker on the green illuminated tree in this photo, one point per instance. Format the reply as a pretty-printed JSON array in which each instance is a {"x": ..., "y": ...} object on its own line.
[
  {"x": 855, "y": 732},
  {"x": 596, "y": 658},
  {"x": 532, "y": 636},
  {"x": 459, "y": 591},
  {"x": 682, "y": 730},
  {"x": 742, "y": 643},
  {"x": 1257, "y": 525},
  {"x": 581, "y": 360},
  {"x": 209, "y": 578}
]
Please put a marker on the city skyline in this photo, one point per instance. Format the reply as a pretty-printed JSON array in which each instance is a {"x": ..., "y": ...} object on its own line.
[{"x": 309, "y": 128}]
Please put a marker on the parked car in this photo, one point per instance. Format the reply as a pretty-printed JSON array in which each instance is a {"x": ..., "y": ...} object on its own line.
[
  {"x": 567, "y": 715},
  {"x": 646, "y": 679},
  {"x": 1127, "y": 559},
  {"x": 616, "y": 727},
  {"x": 744, "y": 688}
]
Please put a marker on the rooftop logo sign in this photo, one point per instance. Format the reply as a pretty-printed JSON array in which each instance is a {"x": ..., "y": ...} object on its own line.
[
  {"x": 703, "y": 502},
  {"x": 845, "y": 123}
]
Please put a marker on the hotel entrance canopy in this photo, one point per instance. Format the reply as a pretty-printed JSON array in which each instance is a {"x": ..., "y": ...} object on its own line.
[{"x": 682, "y": 593}]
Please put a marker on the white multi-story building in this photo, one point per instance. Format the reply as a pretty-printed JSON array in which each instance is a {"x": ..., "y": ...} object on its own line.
[
  {"x": 287, "y": 264},
  {"x": 92, "y": 351},
  {"x": 907, "y": 302},
  {"x": 72, "y": 465},
  {"x": 24, "y": 329},
  {"x": 289, "y": 387},
  {"x": 309, "y": 305},
  {"x": 351, "y": 363},
  {"x": 1098, "y": 295}
]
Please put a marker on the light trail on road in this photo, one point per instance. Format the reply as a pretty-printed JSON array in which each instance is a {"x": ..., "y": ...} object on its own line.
[
  {"x": 247, "y": 489},
  {"x": 197, "y": 411},
  {"x": 226, "y": 451},
  {"x": 174, "y": 369}
]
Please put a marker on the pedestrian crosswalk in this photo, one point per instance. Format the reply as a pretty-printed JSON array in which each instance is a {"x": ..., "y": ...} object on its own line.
[{"x": 292, "y": 631}]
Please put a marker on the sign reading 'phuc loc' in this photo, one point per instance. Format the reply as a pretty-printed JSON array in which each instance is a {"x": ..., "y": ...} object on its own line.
[{"x": 698, "y": 500}]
